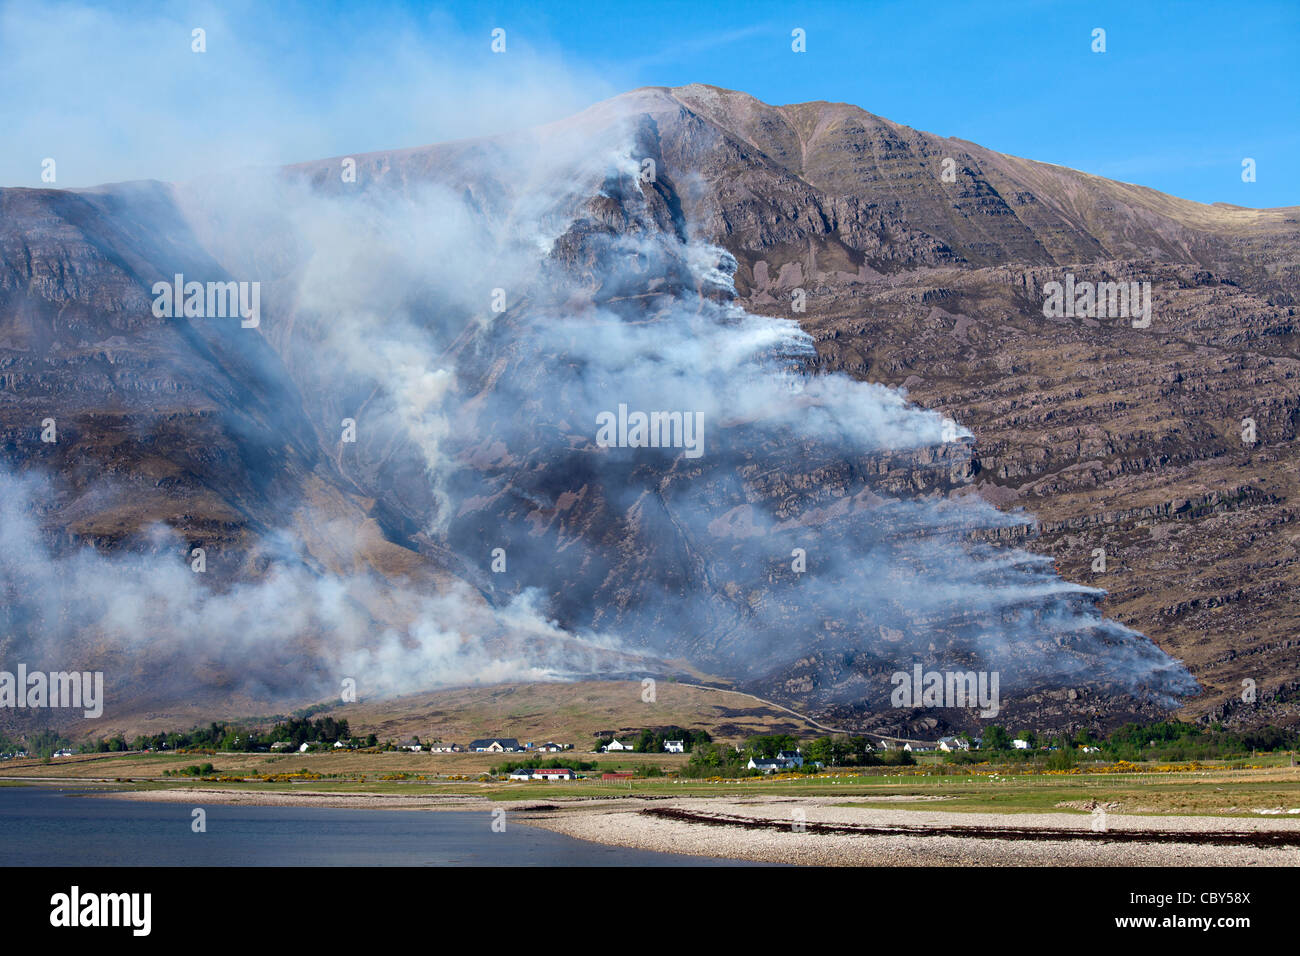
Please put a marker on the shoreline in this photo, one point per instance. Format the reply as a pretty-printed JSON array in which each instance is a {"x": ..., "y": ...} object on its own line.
[
  {"x": 772, "y": 836},
  {"x": 821, "y": 831}
]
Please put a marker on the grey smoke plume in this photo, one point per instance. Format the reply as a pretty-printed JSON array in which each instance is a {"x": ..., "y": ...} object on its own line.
[
  {"x": 479, "y": 428},
  {"x": 160, "y": 631}
]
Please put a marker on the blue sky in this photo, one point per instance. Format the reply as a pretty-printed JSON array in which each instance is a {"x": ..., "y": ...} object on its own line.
[{"x": 1183, "y": 93}]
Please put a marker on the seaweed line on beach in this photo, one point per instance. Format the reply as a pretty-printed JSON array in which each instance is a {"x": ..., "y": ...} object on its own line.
[{"x": 1262, "y": 839}]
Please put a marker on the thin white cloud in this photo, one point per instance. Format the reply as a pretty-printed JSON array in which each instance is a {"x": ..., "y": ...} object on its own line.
[{"x": 116, "y": 95}]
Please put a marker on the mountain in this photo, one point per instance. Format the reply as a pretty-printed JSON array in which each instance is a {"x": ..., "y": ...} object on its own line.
[{"x": 472, "y": 307}]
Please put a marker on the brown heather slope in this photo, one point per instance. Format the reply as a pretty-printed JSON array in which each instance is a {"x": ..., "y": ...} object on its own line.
[
  {"x": 568, "y": 713},
  {"x": 563, "y": 712},
  {"x": 1113, "y": 437},
  {"x": 1124, "y": 439}
]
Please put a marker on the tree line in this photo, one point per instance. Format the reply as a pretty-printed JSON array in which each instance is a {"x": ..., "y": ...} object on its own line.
[{"x": 219, "y": 735}]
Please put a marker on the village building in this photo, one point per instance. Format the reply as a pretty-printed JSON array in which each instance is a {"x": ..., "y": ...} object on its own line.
[
  {"x": 495, "y": 745},
  {"x": 768, "y": 764},
  {"x": 784, "y": 760},
  {"x": 554, "y": 773},
  {"x": 675, "y": 746},
  {"x": 542, "y": 773}
]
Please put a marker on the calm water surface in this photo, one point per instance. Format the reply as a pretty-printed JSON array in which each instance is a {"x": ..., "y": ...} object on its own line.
[{"x": 51, "y": 827}]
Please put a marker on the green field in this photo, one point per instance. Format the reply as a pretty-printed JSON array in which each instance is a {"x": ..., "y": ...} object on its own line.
[{"x": 1236, "y": 788}]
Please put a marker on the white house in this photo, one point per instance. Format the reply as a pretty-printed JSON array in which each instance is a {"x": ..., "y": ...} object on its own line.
[
  {"x": 549, "y": 773},
  {"x": 918, "y": 748},
  {"x": 772, "y": 764},
  {"x": 495, "y": 745},
  {"x": 951, "y": 744},
  {"x": 304, "y": 748},
  {"x": 441, "y": 748},
  {"x": 675, "y": 746},
  {"x": 792, "y": 757},
  {"x": 554, "y": 773},
  {"x": 616, "y": 744},
  {"x": 550, "y": 747},
  {"x": 1019, "y": 744}
]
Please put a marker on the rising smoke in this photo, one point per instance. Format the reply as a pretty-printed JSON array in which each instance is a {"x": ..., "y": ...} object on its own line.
[{"x": 478, "y": 426}]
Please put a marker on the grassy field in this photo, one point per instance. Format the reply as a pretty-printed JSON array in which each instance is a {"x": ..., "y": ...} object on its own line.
[
  {"x": 328, "y": 763},
  {"x": 575, "y": 713},
  {"x": 1220, "y": 789},
  {"x": 567, "y": 713},
  {"x": 1210, "y": 792}
]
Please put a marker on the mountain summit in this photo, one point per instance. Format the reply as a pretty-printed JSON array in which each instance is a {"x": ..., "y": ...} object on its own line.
[{"x": 396, "y": 473}]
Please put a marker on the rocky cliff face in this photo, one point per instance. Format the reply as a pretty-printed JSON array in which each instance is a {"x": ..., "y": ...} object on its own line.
[{"x": 899, "y": 268}]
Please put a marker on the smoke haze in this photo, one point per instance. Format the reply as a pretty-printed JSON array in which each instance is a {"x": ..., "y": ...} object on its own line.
[{"x": 473, "y": 309}]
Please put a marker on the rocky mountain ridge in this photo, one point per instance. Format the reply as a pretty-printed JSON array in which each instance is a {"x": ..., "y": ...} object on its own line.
[{"x": 1123, "y": 439}]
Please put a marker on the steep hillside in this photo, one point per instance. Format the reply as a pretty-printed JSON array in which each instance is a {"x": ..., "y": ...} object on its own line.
[{"x": 617, "y": 285}]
